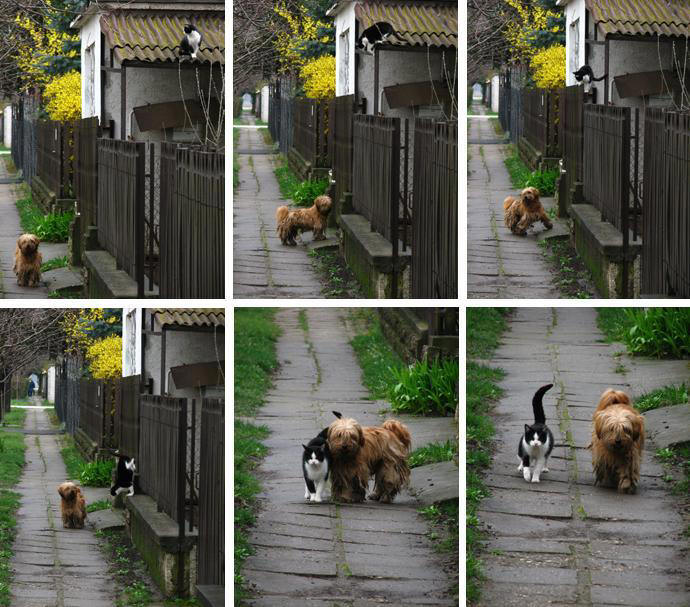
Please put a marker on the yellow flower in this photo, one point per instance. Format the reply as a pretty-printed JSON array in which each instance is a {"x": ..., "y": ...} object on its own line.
[
  {"x": 297, "y": 28},
  {"x": 63, "y": 96},
  {"x": 105, "y": 357},
  {"x": 319, "y": 77},
  {"x": 548, "y": 67}
]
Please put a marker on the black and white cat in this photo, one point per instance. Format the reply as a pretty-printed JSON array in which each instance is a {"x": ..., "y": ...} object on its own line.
[
  {"x": 585, "y": 75},
  {"x": 537, "y": 443},
  {"x": 191, "y": 41},
  {"x": 375, "y": 34},
  {"x": 316, "y": 462},
  {"x": 124, "y": 476}
]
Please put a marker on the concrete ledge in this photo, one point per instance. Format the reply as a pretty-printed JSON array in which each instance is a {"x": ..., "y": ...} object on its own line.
[
  {"x": 211, "y": 596},
  {"x": 370, "y": 257},
  {"x": 407, "y": 333},
  {"x": 105, "y": 281},
  {"x": 155, "y": 536},
  {"x": 600, "y": 245},
  {"x": 529, "y": 154}
]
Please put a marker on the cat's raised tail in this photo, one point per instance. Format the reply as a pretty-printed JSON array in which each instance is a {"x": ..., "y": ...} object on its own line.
[{"x": 537, "y": 405}]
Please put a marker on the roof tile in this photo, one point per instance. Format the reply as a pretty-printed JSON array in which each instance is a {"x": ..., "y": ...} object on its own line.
[
  {"x": 642, "y": 17},
  {"x": 191, "y": 317}
]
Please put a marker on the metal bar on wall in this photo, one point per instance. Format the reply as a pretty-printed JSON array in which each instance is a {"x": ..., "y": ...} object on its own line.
[
  {"x": 140, "y": 218},
  {"x": 181, "y": 465}
]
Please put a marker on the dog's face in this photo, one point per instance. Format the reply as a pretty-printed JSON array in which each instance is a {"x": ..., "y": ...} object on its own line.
[
  {"x": 530, "y": 196},
  {"x": 323, "y": 204},
  {"x": 28, "y": 244},
  {"x": 345, "y": 438},
  {"x": 618, "y": 427},
  {"x": 68, "y": 491}
]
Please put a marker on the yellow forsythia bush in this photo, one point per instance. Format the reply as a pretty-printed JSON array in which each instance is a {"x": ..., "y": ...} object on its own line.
[
  {"x": 63, "y": 96},
  {"x": 294, "y": 27},
  {"x": 548, "y": 67},
  {"x": 319, "y": 77},
  {"x": 105, "y": 357}
]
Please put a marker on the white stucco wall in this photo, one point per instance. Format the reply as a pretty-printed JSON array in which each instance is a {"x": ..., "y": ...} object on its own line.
[
  {"x": 574, "y": 38},
  {"x": 90, "y": 36},
  {"x": 51, "y": 384},
  {"x": 495, "y": 92},
  {"x": 399, "y": 67},
  {"x": 131, "y": 341},
  {"x": 264, "y": 103},
  {"x": 183, "y": 348},
  {"x": 7, "y": 127},
  {"x": 345, "y": 50}
]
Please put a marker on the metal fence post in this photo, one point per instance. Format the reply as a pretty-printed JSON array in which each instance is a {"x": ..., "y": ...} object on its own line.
[
  {"x": 395, "y": 201},
  {"x": 181, "y": 484},
  {"x": 140, "y": 217}
]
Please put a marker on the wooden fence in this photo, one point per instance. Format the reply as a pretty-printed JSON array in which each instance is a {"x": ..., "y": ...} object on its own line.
[
  {"x": 122, "y": 204},
  {"x": 606, "y": 162},
  {"x": 342, "y": 111},
  {"x": 540, "y": 120},
  {"x": 86, "y": 134},
  {"x": 665, "y": 263},
  {"x": 192, "y": 225},
  {"x": 570, "y": 132},
  {"x": 127, "y": 416},
  {"x": 54, "y": 155},
  {"x": 211, "y": 563},
  {"x": 310, "y": 130},
  {"x": 435, "y": 210},
  {"x": 92, "y": 412},
  {"x": 162, "y": 452},
  {"x": 376, "y": 172}
]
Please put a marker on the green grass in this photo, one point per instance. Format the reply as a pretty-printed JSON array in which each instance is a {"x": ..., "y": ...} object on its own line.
[
  {"x": 375, "y": 356},
  {"x": 433, "y": 453},
  {"x": 484, "y": 329},
  {"x": 266, "y": 136},
  {"x": 56, "y": 262},
  {"x": 11, "y": 463},
  {"x": 14, "y": 417},
  {"x": 74, "y": 462},
  {"x": 21, "y": 401},
  {"x": 337, "y": 277},
  {"x": 255, "y": 361},
  {"x": 90, "y": 474},
  {"x": 443, "y": 518},
  {"x": 53, "y": 227},
  {"x": 612, "y": 322},
  {"x": 663, "y": 397},
  {"x": 255, "y": 358},
  {"x": 569, "y": 272},
  {"x": 98, "y": 505}
]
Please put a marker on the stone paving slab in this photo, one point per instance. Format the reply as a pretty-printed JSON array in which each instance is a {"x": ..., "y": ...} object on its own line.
[
  {"x": 668, "y": 425},
  {"x": 52, "y": 566},
  {"x": 360, "y": 553},
  {"x": 435, "y": 482},
  {"x": 262, "y": 266},
  {"x": 609, "y": 549},
  {"x": 500, "y": 264}
]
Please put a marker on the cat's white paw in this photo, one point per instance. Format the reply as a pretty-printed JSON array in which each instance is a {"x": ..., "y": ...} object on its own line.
[
  {"x": 520, "y": 467},
  {"x": 545, "y": 470},
  {"x": 526, "y": 473},
  {"x": 535, "y": 479},
  {"x": 313, "y": 497},
  {"x": 306, "y": 494},
  {"x": 318, "y": 498}
]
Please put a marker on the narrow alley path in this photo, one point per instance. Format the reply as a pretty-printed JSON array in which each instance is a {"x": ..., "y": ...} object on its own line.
[
  {"x": 499, "y": 263},
  {"x": 262, "y": 266},
  {"x": 564, "y": 541},
  {"x": 52, "y": 566},
  {"x": 326, "y": 554}
]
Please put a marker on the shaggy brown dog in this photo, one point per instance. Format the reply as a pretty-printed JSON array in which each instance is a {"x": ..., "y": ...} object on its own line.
[
  {"x": 313, "y": 219},
  {"x": 617, "y": 442},
  {"x": 73, "y": 506},
  {"x": 520, "y": 213},
  {"x": 27, "y": 261},
  {"x": 361, "y": 452}
]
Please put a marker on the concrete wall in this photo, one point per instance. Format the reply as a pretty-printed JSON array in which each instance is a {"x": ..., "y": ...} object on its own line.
[
  {"x": 7, "y": 127},
  {"x": 574, "y": 39},
  {"x": 182, "y": 348},
  {"x": 51, "y": 384},
  {"x": 90, "y": 35}
]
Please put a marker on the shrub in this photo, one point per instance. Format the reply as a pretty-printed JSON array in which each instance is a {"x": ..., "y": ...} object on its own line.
[
  {"x": 53, "y": 227},
  {"x": 305, "y": 192},
  {"x": 425, "y": 388},
  {"x": 97, "y": 474},
  {"x": 544, "y": 181}
]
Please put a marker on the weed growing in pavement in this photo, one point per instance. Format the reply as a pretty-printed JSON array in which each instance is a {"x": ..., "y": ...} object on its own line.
[
  {"x": 571, "y": 275},
  {"x": 443, "y": 518},
  {"x": 425, "y": 387},
  {"x": 53, "y": 227},
  {"x": 340, "y": 281},
  {"x": 521, "y": 176},
  {"x": 56, "y": 262},
  {"x": 663, "y": 397},
  {"x": 98, "y": 505},
  {"x": 302, "y": 193}
]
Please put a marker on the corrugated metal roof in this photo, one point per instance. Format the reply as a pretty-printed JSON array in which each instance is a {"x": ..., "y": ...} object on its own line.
[
  {"x": 155, "y": 37},
  {"x": 642, "y": 17},
  {"x": 431, "y": 23},
  {"x": 191, "y": 317}
]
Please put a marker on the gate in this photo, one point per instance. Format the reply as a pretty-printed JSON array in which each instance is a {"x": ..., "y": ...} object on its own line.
[
  {"x": 342, "y": 111},
  {"x": 570, "y": 130}
]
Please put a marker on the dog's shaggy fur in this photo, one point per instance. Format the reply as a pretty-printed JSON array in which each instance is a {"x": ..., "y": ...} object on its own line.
[
  {"x": 73, "y": 506},
  {"x": 27, "y": 261},
  {"x": 617, "y": 442},
  {"x": 291, "y": 223},
  {"x": 361, "y": 452},
  {"x": 520, "y": 213}
]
